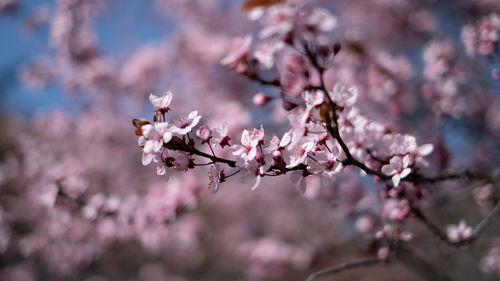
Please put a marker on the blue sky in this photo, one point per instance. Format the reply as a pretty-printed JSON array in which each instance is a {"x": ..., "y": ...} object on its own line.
[{"x": 123, "y": 26}]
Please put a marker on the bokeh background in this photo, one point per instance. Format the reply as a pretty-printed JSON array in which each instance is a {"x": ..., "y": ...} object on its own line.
[{"x": 76, "y": 203}]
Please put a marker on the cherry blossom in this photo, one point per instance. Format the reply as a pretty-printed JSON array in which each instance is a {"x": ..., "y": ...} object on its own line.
[
  {"x": 184, "y": 123},
  {"x": 154, "y": 137},
  {"x": 275, "y": 144},
  {"x": 264, "y": 53},
  {"x": 278, "y": 21},
  {"x": 161, "y": 103},
  {"x": 238, "y": 54},
  {"x": 371, "y": 135},
  {"x": 204, "y": 134},
  {"x": 397, "y": 168},
  {"x": 344, "y": 96},
  {"x": 299, "y": 153},
  {"x": 260, "y": 99},
  {"x": 326, "y": 162},
  {"x": 220, "y": 136},
  {"x": 459, "y": 232},
  {"x": 248, "y": 148}
]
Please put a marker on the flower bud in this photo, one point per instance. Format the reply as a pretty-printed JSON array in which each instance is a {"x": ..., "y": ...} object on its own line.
[
  {"x": 259, "y": 157},
  {"x": 260, "y": 99},
  {"x": 278, "y": 159},
  {"x": 323, "y": 51},
  {"x": 204, "y": 133},
  {"x": 336, "y": 48}
]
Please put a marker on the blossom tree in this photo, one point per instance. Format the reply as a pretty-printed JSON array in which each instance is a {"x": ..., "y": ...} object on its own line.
[{"x": 288, "y": 140}]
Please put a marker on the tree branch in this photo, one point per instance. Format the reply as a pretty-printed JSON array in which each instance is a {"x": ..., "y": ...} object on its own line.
[
  {"x": 179, "y": 145},
  {"x": 478, "y": 230},
  {"x": 420, "y": 266},
  {"x": 345, "y": 266},
  {"x": 333, "y": 129}
]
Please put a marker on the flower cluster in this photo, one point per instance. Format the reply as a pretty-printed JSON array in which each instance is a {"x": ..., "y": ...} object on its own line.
[
  {"x": 346, "y": 111},
  {"x": 482, "y": 37},
  {"x": 306, "y": 149},
  {"x": 152, "y": 137}
]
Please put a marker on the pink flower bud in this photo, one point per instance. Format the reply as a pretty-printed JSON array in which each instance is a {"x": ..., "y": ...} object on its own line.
[
  {"x": 278, "y": 159},
  {"x": 204, "y": 133},
  {"x": 383, "y": 253},
  {"x": 260, "y": 99}
]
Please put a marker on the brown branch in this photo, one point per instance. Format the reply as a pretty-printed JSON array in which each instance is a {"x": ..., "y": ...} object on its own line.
[
  {"x": 420, "y": 266},
  {"x": 180, "y": 145},
  {"x": 255, "y": 77},
  {"x": 478, "y": 230},
  {"x": 345, "y": 266},
  {"x": 333, "y": 129}
]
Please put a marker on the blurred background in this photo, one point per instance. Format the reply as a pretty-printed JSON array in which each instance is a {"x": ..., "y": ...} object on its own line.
[{"x": 76, "y": 203}]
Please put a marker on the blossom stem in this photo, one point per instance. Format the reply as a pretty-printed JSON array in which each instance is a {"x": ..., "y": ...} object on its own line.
[
  {"x": 211, "y": 149},
  {"x": 333, "y": 130},
  {"x": 233, "y": 174},
  {"x": 345, "y": 266},
  {"x": 181, "y": 146},
  {"x": 478, "y": 230}
]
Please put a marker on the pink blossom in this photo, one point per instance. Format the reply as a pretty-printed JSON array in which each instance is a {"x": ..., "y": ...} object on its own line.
[
  {"x": 248, "y": 148},
  {"x": 204, "y": 134},
  {"x": 482, "y": 37},
  {"x": 313, "y": 98},
  {"x": 459, "y": 232},
  {"x": 256, "y": 169},
  {"x": 383, "y": 253},
  {"x": 397, "y": 168},
  {"x": 161, "y": 102},
  {"x": 469, "y": 38},
  {"x": 276, "y": 144},
  {"x": 154, "y": 137},
  {"x": 298, "y": 155},
  {"x": 343, "y": 96},
  {"x": 278, "y": 21},
  {"x": 490, "y": 263},
  {"x": 438, "y": 58},
  {"x": 483, "y": 194},
  {"x": 220, "y": 136},
  {"x": 184, "y": 123},
  {"x": 239, "y": 51},
  {"x": 421, "y": 152},
  {"x": 265, "y": 53},
  {"x": 260, "y": 99},
  {"x": 326, "y": 162},
  {"x": 257, "y": 135},
  {"x": 319, "y": 20}
]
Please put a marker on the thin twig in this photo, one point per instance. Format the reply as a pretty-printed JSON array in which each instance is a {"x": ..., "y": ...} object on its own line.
[
  {"x": 420, "y": 266},
  {"x": 345, "y": 266},
  {"x": 179, "y": 145},
  {"x": 478, "y": 230},
  {"x": 333, "y": 129}
]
